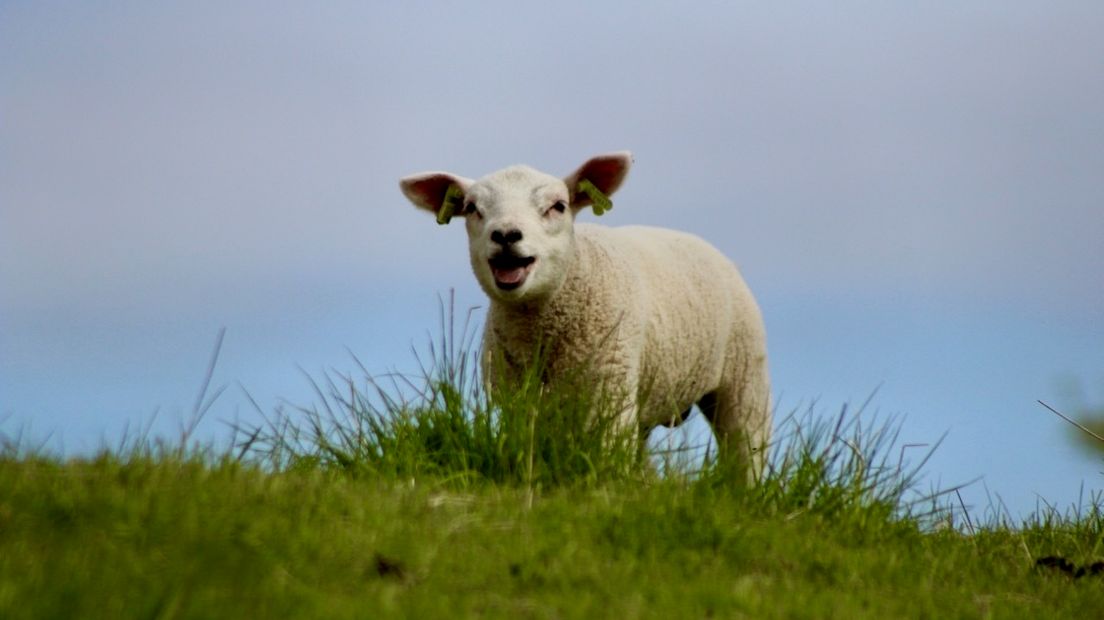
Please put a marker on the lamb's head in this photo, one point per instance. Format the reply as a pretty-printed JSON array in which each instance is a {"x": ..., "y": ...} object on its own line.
[{"x": 520, "y": 221}]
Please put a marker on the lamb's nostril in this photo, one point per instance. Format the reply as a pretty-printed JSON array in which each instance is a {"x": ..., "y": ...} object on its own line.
[{"x": 504, "y": 239}]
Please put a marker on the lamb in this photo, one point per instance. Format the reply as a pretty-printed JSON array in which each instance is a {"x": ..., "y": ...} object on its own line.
[{"x": 660, "y": 314}]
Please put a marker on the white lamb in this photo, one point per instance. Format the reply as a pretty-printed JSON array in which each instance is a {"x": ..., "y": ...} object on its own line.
[{"x": 657, "y": 313}]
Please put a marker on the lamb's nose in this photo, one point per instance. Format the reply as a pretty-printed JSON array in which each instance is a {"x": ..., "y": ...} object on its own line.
[{"x": 506, "y": 238}]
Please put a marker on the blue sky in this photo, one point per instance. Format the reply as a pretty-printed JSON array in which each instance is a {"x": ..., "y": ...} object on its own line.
[{"x": 914, "y": 193}]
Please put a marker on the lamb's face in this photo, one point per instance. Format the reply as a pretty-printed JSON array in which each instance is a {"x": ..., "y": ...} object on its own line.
[
  {"x": 520, "y": 221},
  {"x": 520, "y": 233}
]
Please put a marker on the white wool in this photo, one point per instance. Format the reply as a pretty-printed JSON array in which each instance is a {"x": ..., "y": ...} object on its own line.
[{"x": 657, "y": 313}]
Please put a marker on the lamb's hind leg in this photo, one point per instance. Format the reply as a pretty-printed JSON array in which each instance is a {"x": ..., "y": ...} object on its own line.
[{"x": 740, "y": 417}]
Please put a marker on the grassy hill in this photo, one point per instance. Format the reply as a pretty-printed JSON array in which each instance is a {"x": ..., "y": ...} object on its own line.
[
  {"x": 450, "y": 504},
  {"x": 179, "y": 538}
]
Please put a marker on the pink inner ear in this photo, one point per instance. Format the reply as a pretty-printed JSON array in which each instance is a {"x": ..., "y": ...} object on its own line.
[
  {"x": 604, "y": 173},
  {"x": 429, "y": 192}
]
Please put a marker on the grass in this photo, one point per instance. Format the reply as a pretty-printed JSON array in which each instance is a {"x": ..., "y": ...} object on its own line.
[
  {"x": 446, "y": 426},
  {"x": 430, "y": 498},
  {"x": 163, "y": 538}
]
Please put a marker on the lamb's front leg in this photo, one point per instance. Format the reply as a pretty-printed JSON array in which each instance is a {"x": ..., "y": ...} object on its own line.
[{"x": 619, "y": 398}]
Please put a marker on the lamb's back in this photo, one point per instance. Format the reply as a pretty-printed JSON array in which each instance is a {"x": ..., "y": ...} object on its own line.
[{"x": 690, "y": 300}]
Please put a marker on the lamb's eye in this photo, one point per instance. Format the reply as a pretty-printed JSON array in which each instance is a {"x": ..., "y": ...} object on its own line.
[
  {"x": 559, "y": 207},
  {"x": 470, "y": 209}
]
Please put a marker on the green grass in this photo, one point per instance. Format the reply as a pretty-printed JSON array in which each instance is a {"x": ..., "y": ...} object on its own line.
[
  {"x": 166, "y": 537},
  {"x": 431, "y": 499}
]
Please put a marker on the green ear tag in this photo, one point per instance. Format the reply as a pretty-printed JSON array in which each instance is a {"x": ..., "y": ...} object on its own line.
[
  {"x": 453, "y": 196},
  {"x": 601, "y": 202}
]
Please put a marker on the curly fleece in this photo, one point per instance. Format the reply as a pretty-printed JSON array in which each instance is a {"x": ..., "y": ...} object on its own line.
[{"x": 659, "y": 314}]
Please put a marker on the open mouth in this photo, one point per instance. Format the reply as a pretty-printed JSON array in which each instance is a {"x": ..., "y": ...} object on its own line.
[{"x": 509, "y": 270}]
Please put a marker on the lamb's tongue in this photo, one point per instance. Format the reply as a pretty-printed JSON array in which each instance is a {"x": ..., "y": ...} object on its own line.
[{"x": 509, "y": 276}]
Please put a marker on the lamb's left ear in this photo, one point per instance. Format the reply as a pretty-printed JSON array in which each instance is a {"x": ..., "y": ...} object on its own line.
[
  {"x": 437, "y": 192},
  {"x": 599, "y": 177}
]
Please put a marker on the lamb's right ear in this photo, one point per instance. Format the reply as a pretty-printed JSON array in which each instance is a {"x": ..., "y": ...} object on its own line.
[
  {"x": 595, "y": 180},
  {"x": 440, "y": 193}
]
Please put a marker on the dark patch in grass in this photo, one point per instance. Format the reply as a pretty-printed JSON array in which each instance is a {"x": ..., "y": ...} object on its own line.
[
  {"x": 1062, "y": 565},
  {"x": 390, "y": 568}
]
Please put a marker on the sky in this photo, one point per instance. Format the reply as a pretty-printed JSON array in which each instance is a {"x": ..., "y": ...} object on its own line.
[{"x": 913, "y": 191}]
